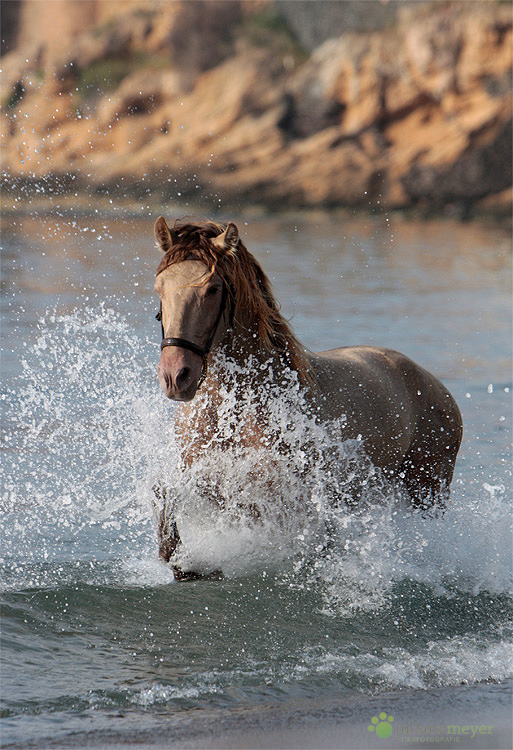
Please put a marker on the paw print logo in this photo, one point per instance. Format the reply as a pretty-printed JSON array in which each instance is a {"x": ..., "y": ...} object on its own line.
[{"x": 382, "y": 725}]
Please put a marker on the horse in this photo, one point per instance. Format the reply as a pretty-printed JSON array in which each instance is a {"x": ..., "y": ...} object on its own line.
[{"x": 215, "y": 297}]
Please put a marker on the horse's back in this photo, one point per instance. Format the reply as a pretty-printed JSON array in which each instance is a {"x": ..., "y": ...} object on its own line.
[
  {"x": 376, "y": 362},
  {"x": 396, "y": 377},
  {"x": 390, "y": 374}
]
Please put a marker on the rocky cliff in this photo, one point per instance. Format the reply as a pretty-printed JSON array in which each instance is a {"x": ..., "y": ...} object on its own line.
[{"x": 222, "y": 101}]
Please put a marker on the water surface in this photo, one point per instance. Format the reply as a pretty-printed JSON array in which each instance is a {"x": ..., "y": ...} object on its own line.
[{"x": 405, "y": 615}]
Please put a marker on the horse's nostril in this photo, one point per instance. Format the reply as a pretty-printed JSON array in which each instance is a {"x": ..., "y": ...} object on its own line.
[
  {"x": 182, "y": 377},
  {"x": 165, "y": 378}
]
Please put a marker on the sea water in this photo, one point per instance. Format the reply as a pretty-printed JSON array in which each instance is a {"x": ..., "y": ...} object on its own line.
[{"x": 309, "y": 637}]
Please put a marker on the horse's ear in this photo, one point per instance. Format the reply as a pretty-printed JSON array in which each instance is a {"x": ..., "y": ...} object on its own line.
[
  {"x": 228, "y": 239},
  {"x": 165, "y": 236}
]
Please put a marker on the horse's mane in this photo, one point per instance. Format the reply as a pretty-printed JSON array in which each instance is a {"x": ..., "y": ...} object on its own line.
[{"x": 246, "y": 282}]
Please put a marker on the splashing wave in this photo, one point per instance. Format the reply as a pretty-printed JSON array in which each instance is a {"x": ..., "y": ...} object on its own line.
[{"x": 89, "y": 435}]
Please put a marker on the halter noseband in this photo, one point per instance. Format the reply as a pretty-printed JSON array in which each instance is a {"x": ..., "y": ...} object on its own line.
[
  {"x": 202, "y": 351},
  {"x": 184, "y": 344}
]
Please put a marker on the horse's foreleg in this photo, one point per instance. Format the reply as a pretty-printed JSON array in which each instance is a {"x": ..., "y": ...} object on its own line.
[{"x": 168, "y": 536}]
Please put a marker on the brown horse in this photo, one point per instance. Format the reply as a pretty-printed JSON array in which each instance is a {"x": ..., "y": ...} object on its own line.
[{"x": 215, "y": 296}]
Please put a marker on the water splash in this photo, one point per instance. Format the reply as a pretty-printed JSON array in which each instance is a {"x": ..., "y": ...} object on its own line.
[
  {"x": 74, "y": 476},
  {"x": 268, "y": 478},
  {"x": 465, "y": 550},
  {"x": 89, "y": 434}
]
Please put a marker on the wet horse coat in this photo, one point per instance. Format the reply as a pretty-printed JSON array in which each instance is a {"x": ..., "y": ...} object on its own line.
[{"x": 214, "y": 295}]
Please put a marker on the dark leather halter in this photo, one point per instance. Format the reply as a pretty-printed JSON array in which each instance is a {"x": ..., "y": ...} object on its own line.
[{"x": 202, "y": 351}]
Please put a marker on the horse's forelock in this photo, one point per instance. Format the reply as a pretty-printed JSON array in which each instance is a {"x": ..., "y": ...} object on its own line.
[{"x": 193, "y": 241}]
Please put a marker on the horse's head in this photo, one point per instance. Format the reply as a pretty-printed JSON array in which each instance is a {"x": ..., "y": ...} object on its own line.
[{"x": 194, "y": 301}]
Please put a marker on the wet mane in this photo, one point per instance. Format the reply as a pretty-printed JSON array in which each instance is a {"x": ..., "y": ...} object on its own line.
[{"x": 247, "y": 283}]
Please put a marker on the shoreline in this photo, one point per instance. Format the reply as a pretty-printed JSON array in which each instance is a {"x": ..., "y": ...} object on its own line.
[
  {"x": 82, "y": 204},
  {"x": 417, "y": 718}
]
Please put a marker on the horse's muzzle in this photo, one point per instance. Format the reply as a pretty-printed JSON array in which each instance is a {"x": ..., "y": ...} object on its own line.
[{"x": 179, "y": 371}]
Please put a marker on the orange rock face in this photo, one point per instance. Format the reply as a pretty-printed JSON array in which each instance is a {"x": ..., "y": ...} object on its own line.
[{"x": 180, "y": 98}]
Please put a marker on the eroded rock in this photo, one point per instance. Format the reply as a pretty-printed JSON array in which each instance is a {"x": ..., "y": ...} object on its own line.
[{"x": 180, "y": 98}]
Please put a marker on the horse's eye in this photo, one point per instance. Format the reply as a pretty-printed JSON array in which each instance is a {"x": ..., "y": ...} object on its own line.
[{"x": 211, "y": 291}]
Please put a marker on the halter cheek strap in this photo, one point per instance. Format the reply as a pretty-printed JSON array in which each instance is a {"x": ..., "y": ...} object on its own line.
[{"x": 201, "y": 351}]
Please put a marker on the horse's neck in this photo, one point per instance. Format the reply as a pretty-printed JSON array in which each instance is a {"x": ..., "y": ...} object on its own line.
[
  {"x": 244, "y": 345},
  {"x": 245, "y": 358}
]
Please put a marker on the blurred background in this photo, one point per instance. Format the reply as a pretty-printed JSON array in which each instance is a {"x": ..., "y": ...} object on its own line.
[{"x": 278, "y": 103}]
